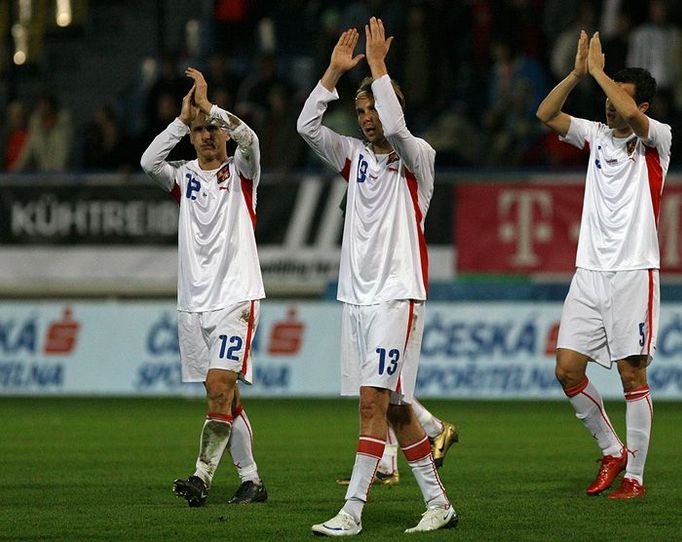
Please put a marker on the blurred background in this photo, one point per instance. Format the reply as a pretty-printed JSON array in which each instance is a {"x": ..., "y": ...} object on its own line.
[{"x": 88, "y": 245}]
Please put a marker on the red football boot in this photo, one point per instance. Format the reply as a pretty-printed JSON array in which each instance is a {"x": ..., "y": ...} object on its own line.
[
  {"x": 611, "y": 466},
  {"x": 629, "y": 489}
]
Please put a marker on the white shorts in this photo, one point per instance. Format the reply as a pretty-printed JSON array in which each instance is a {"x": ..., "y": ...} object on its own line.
[
  {"x": 219, "y": 339},
  {"x": 610, "y": 315},
  {"x": 380, "y": 347}
]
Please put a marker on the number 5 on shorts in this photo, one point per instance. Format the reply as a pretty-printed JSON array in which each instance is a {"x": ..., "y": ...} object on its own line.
[{"x": 393, "y": 355}]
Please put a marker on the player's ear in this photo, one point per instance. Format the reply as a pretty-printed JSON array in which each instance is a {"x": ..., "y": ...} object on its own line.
[{"x": 643, "y": 107}]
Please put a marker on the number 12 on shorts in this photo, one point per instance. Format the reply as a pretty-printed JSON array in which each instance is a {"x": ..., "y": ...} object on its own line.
[
  {"x": 228, "y": 353},
  {"x": 388, "y": 361}
]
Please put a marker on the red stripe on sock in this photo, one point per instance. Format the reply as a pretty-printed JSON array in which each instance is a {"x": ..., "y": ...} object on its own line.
[
  {"x": 637, "y": 393},
  {"x": 218, "y": 416},
  {"x": 371, "y": 446},
  {"x": 575, "y": 390},
  {"x": 418, "y": 451}
]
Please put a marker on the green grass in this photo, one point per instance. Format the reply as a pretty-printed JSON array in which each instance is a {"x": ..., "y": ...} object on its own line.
[{"x": 101, "y": 469}]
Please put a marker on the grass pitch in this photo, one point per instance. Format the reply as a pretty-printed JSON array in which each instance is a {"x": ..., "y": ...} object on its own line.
[{"x": 102, "y": 469}]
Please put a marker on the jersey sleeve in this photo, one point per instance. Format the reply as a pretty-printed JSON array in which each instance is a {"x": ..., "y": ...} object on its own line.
[
  {"x": 334, "y": 149},
  {"x": 153, "y": 159},
  {"x": 247, "y": 155},
  {"x": 660, "y": 137},
  {"x": 416, "y": 154},
  {"x": 579, "y": 132}
]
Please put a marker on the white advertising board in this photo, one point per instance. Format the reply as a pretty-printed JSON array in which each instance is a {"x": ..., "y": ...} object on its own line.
[{"x": 470, "y": 350}]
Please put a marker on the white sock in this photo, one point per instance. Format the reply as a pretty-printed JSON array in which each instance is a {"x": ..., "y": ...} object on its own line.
[
  {"x": 240, "y": 447},
  {"x": 589, "y": 408},
  {"x": 367, "y": 458},
  {"x": 432, "y": 425},
  {"x": 389, "y": 461},
  {"x": 419, "y": 458},
  {"x": 639, "y": 412},
  {"x": 214, "y": 436}
]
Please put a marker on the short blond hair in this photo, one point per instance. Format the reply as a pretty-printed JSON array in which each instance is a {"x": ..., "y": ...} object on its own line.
[{"x": 366, "y": 86}]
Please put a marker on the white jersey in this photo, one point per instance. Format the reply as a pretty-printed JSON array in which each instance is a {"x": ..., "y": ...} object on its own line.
[
  {"x": 218, "y": 262},
  {"x": 383, "y": 254},
  {"x": 622, "y": 202}
]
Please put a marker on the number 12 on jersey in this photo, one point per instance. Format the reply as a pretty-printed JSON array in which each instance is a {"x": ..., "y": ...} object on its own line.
[{"x": 388, "y": 361}]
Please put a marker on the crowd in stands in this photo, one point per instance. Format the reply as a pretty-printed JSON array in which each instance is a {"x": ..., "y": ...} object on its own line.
[{"x": 473, "y": 72}]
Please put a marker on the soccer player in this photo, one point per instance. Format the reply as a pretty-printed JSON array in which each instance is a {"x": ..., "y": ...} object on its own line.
[
  {"x": 219, "y": 278},
  {"x": 611, "y": 312},
  {"x": 383, "y": 272}
]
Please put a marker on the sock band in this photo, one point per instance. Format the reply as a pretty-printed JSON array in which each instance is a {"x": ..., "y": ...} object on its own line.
[
  {"x": 418, "y": 451},
  {"x": 371, "y": 446},
  {"x": 575, "y": 390},
  {"x": 220, "y": 417},
  {"x": 637, "y": 393}
]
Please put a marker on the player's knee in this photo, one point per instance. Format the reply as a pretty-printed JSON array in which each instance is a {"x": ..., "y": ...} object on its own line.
[
  {"x": 568, "y": 377},
  {"x": 399, "y": 415},
  {"x": 370, "y": 410},
  {"x": 219, "y": 396}
]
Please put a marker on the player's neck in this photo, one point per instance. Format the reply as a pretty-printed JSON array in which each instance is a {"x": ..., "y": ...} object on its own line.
[
  {"x": 211, "y": 163},
  {"x": 382, "y": 147},
  {"x": 622, "y": 133}
]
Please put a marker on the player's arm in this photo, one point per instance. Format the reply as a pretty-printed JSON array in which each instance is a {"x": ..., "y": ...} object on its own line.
[
  {"x": 621, "y": 100},
  {"x": 153, "y": 160},
  {"x": 247, "y": 157},
  {"x": 550, "y": 109},
  {"x": 333, "y": 148},
  {"x": 418, "y": 156}
]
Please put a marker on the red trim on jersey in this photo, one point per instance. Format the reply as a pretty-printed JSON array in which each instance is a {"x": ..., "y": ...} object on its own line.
[
  {"x": 247, "y": 190},
  {"x": 345, "y": 171},
  {"x": 371, "y": 446},
  {"x": 575, "y": 390},
  {"x": 219, "y": 417},
  {"x": 650, "y": 309},
  {"x": 175, "y": 193},
  {"x": 637, "y": 393},
  {"x": 424, "y": 255},
  {"x": 237, "y": 411},
  {"x": 247, "y": 351},
  {"x": 655, "y": 173},
  {"x": 418, "y": 451}
]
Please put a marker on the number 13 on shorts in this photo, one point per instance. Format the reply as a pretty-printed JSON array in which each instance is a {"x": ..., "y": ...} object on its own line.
[{"x": 387, "y": 360}]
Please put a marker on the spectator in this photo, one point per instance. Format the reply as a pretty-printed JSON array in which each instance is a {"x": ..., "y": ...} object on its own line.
[
  {"x": 656, "y": 47},
  {"x": 15, "y": 135},
  {"x": 616, "y": 46},
  {"x": 281, "y": 148},
  {"x": 106, "y": 143},
  {"x": 168, "y": 83},
  {"x": 517, "y": 84},
  {"x": 220, "y": 74},
  {"x": 50, "y": 134}
]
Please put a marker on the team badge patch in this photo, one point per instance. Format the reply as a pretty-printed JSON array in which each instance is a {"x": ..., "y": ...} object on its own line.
[
  {"x": 630, "y": 146},
  {"x": 223, "y": 173}
]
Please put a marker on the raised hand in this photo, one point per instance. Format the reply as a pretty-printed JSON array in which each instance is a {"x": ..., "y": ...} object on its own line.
[
  {"x": 580, "y": 68},
  {"x": 342, "y": 58},
  {"x": 189, "y": 111},
  {"x": 200, "y": 90},
  {"x": 377, "y": 46},
  {"x": 595, "y": 57}
]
